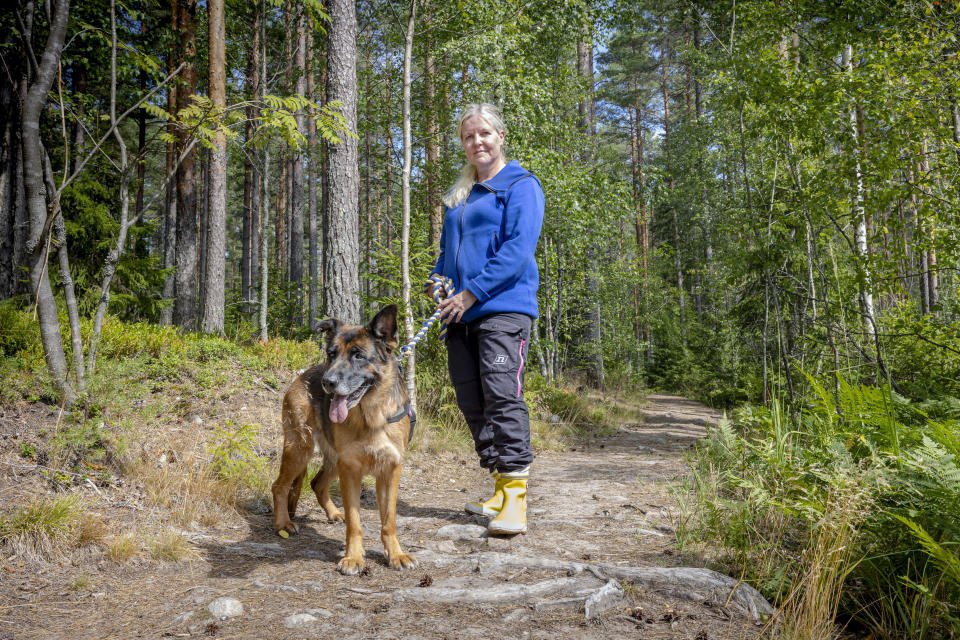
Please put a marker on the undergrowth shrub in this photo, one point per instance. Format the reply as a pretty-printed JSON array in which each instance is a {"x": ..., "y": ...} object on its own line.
[
  {"x": 18, "y": 330},
  {"x": 767, "y": 482},
  {"x": 234, "y": 458}
]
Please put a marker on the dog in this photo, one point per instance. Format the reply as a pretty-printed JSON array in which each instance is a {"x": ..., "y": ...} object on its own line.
[{"x": 354, "y": 408}]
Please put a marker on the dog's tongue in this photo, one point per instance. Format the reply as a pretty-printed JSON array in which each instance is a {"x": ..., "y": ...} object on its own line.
[{"x": 338, "y": 408}]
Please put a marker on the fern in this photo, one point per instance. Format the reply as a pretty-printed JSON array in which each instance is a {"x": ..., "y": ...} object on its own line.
[{"x": 946, "y": 560}]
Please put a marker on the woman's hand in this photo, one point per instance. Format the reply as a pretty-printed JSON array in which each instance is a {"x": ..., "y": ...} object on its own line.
[
  {"x": 452, "y": 309},
  {"x": 428, "y": 287}
]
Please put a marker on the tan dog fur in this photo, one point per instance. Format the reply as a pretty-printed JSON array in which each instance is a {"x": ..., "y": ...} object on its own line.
[{"x": 364, "y": 443}]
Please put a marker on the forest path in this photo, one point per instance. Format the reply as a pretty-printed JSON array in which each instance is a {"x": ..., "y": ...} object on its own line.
[{"x": 599, "y": 517}]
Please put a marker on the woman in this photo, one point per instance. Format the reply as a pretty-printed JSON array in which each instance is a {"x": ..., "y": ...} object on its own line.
[{"x": 490, "y": 232}]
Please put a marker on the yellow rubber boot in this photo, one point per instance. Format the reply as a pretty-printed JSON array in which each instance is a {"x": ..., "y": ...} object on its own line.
[
  {"x": 490, "y": 507},
  {"x": 512, "y": 517}
]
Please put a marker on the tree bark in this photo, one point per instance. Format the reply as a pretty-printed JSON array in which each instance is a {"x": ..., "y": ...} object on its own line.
[
  {"x": 431, "y": 170},
  {"x": 678, "y": 262},
  {"x": 930, "y": 255},
  {"x": 110, "y": 266},
  {"x": 595, "y": 367},
  {"x": 185, "y": 304},
  {"x": 213, "y": 306},
  {"x": 9, "y": 162},
  {"x": 38, "y": 246},
  {"x": 249, "y": 242},
  {"x": 388, "y": 152},
  {"x": 141, "y": 143},
  {"x": 170, "y": 210},
  {"x": 14, "y": 217},
  {"x": 203, "y": 204},
  {"x": 859, "y": 212},
  {"x": 405, "y": 198},
  {"x": 297, "y": 178},
  {"x": 280, "y": 220},
  {"x": 341, "y": 267},
  {"x": 264, "y": 199},
  {"x": 66, "y": 280},
  {"x": 367, "y": 161},
  {"x": 955, "y": 127},
  {"x": 314, "y": 301}
]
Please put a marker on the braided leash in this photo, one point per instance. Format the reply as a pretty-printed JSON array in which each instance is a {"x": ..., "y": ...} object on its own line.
[{"x": 441, "y": 288}]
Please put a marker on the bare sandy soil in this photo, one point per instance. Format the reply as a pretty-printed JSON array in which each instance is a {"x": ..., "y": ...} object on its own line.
[{"x": 597, "y": 514}]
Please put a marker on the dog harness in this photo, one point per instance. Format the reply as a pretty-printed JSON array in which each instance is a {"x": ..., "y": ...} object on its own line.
[{"x": 405, "y": 410}]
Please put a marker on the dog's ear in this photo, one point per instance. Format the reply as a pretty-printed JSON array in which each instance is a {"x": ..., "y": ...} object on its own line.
[
  {"x": 329, "y": 326},
  {"x": 383, "y": 327}
]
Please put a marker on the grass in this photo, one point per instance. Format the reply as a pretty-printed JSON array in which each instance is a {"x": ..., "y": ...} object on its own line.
[
  {"x": 842, "y": 510},
  {"x": 170, "y": 546},
  {"x": 43, "y": 528},
  {"x": 121, "y": 548},
  {"x": 81, "y": 582}
]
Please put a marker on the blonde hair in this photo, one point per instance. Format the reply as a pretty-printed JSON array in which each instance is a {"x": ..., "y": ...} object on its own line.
[{"x": 468, "y": 173}]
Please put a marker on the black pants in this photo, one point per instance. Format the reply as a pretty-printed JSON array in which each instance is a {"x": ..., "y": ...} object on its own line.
[{"x": 486, "y": 359}]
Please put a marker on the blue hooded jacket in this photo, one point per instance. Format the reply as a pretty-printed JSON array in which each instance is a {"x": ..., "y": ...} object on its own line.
[{"x": 488, "y": 242}]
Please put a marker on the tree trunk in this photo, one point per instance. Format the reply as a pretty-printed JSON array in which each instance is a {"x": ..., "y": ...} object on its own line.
[
  {"x": 280, "y": 219},
  {"x": 66, "y": 279},
  {"x": 930, "y": 255},
  {"x": 251, "y": 180},
  {"x": 213, "y": 306},
  {"x": 313, "y": 306},
  {"x": 341, "y": 266},
  {"x": 170, "y": 209},
  {"x": 203, "y": 188},
  {"x": 678, "y": 262},
  {"x": 388, "y": 152},
  {"x": 368, "y": 250},
  {"x": 859, "y": 213},
  {"x": 264, "y": 198},
  {"x": 405, "y": 197},
  {"x": 14, "y": 217},
  {"x": 78, "y": 134},
  {"x": 38, "y": 246},
  {"x": 297, "y": 178},
  {"x": 955, "y": 127},
  {"x": 595, "y": 368},
  {"x": 431, "y": 170},
  {"x": 141, "y": 144},
  {"x": 9, "y": 162},
  {"x": 110, "y": 266},
  {"x": 185, "y": 304},
  {"x": 264, "y": 246}
]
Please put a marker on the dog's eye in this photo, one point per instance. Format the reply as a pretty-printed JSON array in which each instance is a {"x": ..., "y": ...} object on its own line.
[
  {"x": 332, "y": 353},
  {"x": 359, "y": 356}
]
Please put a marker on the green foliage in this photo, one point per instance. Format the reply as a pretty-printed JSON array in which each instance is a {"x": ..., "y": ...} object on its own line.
[
  {"x": 18, "y": 331},
  {"x": 234, "y": 457},
  {"x": 765, "y": 482}
]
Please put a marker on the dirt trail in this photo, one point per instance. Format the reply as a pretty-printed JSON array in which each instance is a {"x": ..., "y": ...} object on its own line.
[{"x": 597, "y": 514}]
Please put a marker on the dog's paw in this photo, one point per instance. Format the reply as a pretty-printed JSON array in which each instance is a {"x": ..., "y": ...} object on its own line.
[
  {"x": 284, "y": 531},
  {"x": 403, "y": 561},
  {"x": 336, "y": 516},
  {"x": 350, "y": 566}
]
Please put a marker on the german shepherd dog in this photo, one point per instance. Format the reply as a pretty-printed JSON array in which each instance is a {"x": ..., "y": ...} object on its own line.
[{"x": 354, "y": 409}]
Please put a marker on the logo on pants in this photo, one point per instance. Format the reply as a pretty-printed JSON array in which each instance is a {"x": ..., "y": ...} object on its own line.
[{"x": 500, "y": 359}]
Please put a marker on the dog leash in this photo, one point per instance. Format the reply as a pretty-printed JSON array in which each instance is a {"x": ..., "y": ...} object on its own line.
[{"x": 441, "y": 288}]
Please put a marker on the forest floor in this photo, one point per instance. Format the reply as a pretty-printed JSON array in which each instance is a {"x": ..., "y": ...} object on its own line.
[{"x": 597, "y": 512}]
